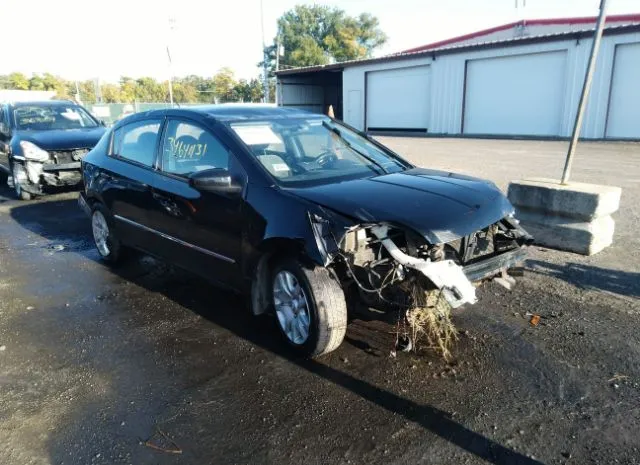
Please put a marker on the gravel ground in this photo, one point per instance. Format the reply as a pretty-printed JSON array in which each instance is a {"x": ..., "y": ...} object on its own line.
[{"x": 94, "y": 362}]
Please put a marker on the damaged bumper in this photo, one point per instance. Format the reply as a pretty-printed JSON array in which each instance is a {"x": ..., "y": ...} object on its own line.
[
  {"x": 492, "y": 266},
  {"x": 381, "y": 256},
  {"x": 62, "y": 167},
  {"x": 51, "y": 174}
]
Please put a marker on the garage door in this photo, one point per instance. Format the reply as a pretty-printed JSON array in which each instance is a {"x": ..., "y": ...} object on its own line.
[
  {"x": 516, "y": 95},
  {"x": 624, "y": 106},
  {"x": 398, "y": 99}
]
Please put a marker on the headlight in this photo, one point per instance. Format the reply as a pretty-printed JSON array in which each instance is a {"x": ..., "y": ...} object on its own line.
[{"x": 31, "y": 151}]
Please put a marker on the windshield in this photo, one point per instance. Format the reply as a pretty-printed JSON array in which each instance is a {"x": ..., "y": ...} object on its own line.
[
  {"x": 314, "y": 150},
  {"x": 45, "y": 118}
]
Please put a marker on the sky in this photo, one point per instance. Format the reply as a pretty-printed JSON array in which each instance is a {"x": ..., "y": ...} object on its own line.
[{"x": 106, "y": 39}]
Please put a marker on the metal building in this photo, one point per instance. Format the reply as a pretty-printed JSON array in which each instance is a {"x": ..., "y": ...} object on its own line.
[{"x": 519, "y": 79}]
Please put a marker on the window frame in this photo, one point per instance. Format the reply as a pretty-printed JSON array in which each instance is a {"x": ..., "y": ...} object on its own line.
[
  {"x": 214, "y": 132},
  {"x": 160, "y": 120}
]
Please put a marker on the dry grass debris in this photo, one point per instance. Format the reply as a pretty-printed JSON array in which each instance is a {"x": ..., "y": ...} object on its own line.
[{"x": 428, "y": 321}]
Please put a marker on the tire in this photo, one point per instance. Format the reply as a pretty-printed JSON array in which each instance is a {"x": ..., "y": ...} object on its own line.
[
  {"x": 323, "y": 300},
  {"x": 17, "y": 171},
  {"x": 107, "y": 243}
]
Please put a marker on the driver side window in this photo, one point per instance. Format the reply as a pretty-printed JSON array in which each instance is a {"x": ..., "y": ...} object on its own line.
[{"x": 188, "y": 148}]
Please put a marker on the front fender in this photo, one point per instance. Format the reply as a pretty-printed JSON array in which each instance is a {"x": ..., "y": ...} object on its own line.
[{"x": 279, "y": 221}]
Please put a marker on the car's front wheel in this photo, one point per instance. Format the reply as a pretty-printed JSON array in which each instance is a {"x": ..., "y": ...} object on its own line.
[
  {"x": 310, "y": 307},
  {"x": 104, "y": 236},
  {"x": 19, "y": 179}
]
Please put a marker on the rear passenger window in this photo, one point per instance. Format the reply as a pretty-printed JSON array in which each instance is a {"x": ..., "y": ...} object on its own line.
[
  {"x": 188, "y": 148},
  {"x": 137, "y": 141}
]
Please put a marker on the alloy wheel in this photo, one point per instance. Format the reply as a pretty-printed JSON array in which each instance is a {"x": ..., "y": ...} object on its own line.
[
  {"x": 100, "y": 230},
  {"x": 292, "y": 307}
]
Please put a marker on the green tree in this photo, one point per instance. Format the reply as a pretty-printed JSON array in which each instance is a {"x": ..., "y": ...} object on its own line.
[
  {"x": 127, "y": 89},
  {"x": 318, "y": 35},
  {"x": 149, "y": 90},
  {"x": 36, "y": 83},
  {"x": 256, "y": 90},
  {"x": 184, "y": 92},
  {"x": 242, "y": 91},
  {"x": 224, "y": 83},
  {"x": 87, "y": 91},
  {"x": 111, "y": 93},
  {"x": 18, "y": 81}
]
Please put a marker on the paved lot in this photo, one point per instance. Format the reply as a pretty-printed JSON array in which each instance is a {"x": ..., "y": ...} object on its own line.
[{"x": 95, "y": 361}]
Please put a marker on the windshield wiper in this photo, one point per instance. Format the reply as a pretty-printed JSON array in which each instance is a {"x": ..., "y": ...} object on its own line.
[{"x": 346, "y": 142}]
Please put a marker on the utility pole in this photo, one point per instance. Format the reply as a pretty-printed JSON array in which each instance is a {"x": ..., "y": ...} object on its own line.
[
  {"x": 265, "y": 68},
  {"x": 585, "y": 91},
  {"x": 172, "y": 23},
  {"x": 277, "y": 64},
  {"x": 278, "y": 51},
  {"x": 97, "y": 90},
  {"x": 78, "y": 100}
]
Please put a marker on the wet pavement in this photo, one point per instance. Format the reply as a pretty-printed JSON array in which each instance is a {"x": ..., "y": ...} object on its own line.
[{"x": 145, "y": 364}]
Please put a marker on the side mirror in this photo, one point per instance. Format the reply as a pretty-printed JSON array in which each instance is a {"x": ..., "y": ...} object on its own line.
[
  {"x": 4, "y": 129},
  {"x": 215, "y": 180}
]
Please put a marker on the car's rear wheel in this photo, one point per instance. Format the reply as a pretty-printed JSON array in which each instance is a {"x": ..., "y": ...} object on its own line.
[
  {"x": 19, "y": 179},
  {"x": 310, "y": 307},
  {"x": 104, "y": 236}
]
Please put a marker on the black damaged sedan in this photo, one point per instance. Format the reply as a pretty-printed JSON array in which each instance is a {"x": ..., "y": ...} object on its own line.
[
  {"x": 295, "y": 210},
  {"x": 42, "y": 143}
]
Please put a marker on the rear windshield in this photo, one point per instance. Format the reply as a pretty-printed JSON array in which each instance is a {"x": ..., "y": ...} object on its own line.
[{"x": 44, "y": 118}]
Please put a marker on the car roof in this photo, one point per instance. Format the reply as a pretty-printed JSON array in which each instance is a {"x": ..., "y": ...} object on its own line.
[
  {"x": 43, "y": 103},
  {"x": 230, "y": 112}
]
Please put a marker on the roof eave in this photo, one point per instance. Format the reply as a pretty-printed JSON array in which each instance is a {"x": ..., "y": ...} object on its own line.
[{"x": 612, "y": 30}]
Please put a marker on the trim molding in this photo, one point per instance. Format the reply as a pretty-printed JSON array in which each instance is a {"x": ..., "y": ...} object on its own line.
[{"x": 176, "y": 240}]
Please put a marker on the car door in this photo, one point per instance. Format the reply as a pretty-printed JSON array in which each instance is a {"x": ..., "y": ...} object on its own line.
[
  {"x": 200, "y": 231},
  {"x": 125, "y": 178}
]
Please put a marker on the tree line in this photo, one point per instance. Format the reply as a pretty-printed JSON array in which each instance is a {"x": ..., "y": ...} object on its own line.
[
  {"x": 307, "y": 35},
  {"x": 222, "y": 87}
]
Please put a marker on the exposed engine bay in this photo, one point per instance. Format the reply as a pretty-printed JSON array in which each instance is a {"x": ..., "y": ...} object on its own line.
[
  {"x": 383, "y": 261},
  {"x": 395, "y": 269}
]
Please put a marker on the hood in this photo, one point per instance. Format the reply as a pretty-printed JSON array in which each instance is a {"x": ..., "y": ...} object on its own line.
[
  {"x": 62, "y": 139},
  {"x": 441, "y": 206}
]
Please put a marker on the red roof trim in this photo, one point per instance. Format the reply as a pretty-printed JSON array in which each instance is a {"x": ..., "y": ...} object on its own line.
[{"x": 635, "y": 17}]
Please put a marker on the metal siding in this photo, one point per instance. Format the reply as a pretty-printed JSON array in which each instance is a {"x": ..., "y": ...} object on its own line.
[
  {"x": 624, "y": 110},
  {"x": 447, "y": 82},
  {"x": 301, "y": 93}
]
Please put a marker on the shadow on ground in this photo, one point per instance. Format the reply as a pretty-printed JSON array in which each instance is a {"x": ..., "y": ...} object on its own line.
[
  {"x": 62, "y": 220},
  {"x": 590, "y": 277},
  {"x": 196, "y": 296}
]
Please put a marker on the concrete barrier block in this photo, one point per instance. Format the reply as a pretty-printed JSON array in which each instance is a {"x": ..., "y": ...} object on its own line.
[
  {"x": 558, "y": 232},
  {"x": 574, "y": 200}
]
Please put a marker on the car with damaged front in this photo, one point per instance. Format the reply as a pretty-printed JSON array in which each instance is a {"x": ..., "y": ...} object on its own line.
[
  {"x": 42, "y": 143},
  {"x": 297, "y": 211}
]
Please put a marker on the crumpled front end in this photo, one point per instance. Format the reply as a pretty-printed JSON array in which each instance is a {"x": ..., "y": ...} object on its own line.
[
  {"x": 384, "y": 260},
  {"x": 60, "y": 170}
]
